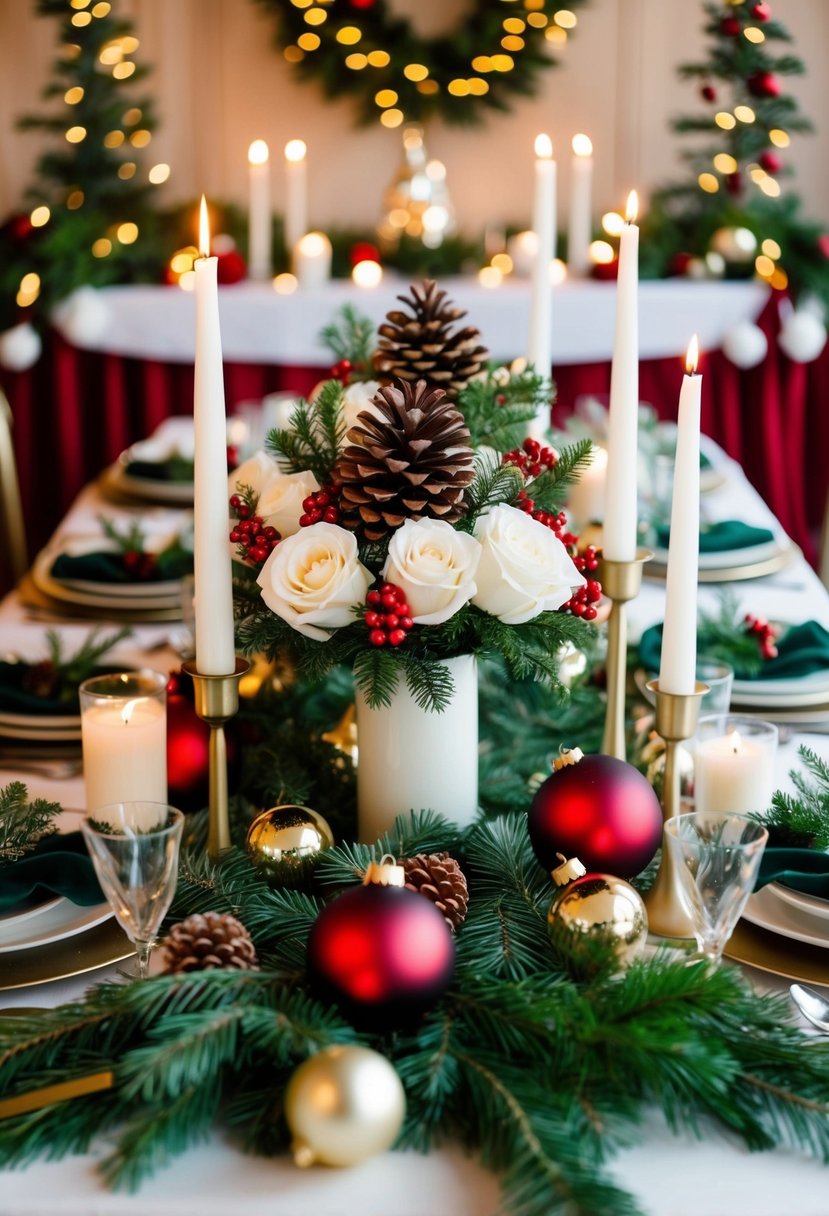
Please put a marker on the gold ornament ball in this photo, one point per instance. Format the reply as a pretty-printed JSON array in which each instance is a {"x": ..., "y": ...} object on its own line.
[
  {"x": 285, "y": 842},
  {"x": 738, "y": 246},
  {"x": 600, "y": 907},
  {"x": 343, "y": 1105}
]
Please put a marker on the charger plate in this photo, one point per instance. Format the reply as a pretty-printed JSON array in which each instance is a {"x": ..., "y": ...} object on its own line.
[
  {"x": 777, "y": 560},
  {"x": 98, "y": 947},
  {"x": 36, "y": 597},
  {"x": 778, "y": 955}
]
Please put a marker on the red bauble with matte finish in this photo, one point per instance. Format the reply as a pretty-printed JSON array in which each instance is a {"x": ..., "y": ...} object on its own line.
[
  {"x": 383, "y": 954},
  {"x": 731, "y": 27},
  {"x": 231, "y": 267},
  {"x": 763, "y": 84},
  {"x": 708, "y": 92},
  {"x": 771, "y": 162},
  {"x": 188, "y": 741},
  {"x": 761, "y": 11},
  {"x": 602, "y": 811}
]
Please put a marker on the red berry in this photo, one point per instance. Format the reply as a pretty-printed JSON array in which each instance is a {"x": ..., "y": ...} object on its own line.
[
  {"x": 397, "y": 636},
  {"x": 373, "y": 619},
  {"x": 373, "y": 597},
  {"x": 771, "y": 162},
  {"x": 403, "y": 609},
  {"x": 377, "y": 637},
  {"x": 235, "y": 535},
  {"x": 392, "y": 620},
  {"x": 388, "y": 589},
  {"x": 243, "y": 510},
  {"x": 731, "y": 27},
  {"x": 235, "y": 500},
  {"x": 305, "y": 520},
  {"x": 406, "y": 623},
  {"x": 271, "y": 533},
  {"x": 331, "y": 515},
  {"x": 709, "y": 92},
  {"x": 388, "y": 600}
]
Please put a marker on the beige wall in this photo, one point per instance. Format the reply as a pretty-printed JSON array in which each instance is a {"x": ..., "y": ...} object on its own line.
[{"x": 220, "y": 83}]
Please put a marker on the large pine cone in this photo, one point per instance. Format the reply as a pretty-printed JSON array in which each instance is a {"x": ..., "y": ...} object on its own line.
[
  {"x": 425, "y": 346},
  {"x": 439, "y": 877},
  {"x": 208, "y": 941},
  {"x": 409, "y": 458}
]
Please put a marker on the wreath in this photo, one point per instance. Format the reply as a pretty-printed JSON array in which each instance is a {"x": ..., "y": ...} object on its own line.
[{"x": 362, "y": 48}]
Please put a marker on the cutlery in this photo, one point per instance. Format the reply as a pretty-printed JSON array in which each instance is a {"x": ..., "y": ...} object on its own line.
[{"x": 813, "y": 1006}]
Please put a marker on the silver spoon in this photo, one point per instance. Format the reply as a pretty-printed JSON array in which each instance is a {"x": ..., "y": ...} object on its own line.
[{"x": 813, "y": 1006}]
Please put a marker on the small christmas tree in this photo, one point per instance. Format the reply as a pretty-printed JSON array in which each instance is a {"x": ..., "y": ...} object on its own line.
[
  {"x": 90, "y": 219},
  {"x": 734, "y": 211}
]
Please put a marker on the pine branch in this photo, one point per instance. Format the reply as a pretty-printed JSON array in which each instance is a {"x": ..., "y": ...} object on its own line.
[
  {"x": 801, "y": 820},
  {"x": 546, "y": 489},
  {"x": 350, "y": 336},
  {"x": 23, "y": 822},
  {"x": 313, "y": 440}
]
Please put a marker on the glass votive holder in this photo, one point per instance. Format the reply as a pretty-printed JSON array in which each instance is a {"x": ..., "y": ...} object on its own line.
[
  {"x": 720, "y": 679},
  {"x": 734, "y": 757},
  {"x": 124, "y": 738}
]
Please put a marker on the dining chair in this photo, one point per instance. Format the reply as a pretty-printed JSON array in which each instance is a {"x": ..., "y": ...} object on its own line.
[{"x": 12, "y": 531}]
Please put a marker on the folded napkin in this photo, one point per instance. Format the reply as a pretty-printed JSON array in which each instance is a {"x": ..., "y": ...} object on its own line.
[
  {"x": 802, "y": 650},
  {"x": 722, "y": 537},
  {"x": 60, "y": 865},
  {"x": 108, "y": 567},
  {"x": 17, "y": 699},
  {"x": 176, "y": 469},
  {"x": 803, "y": 870}
]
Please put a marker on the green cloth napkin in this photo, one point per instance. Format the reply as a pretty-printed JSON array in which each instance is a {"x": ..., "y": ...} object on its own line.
[
  {"x": 722, "y": 537},
  {"x": 803, "y": 870},
  {"x": 60, "y": 865},
  {"x": 175, "y": 469},
  {"x": 14, "y": 698},
  {"x": 108, "y": 567},
  {"x": 802, "y": 650}
]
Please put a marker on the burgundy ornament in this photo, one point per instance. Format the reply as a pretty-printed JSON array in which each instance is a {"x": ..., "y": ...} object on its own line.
[
  {"x": 188, "y": 746},
  {"x": 708, "y": 92},
  {"x": 382, "y": 953},
  {"x": 680, "y": 262},
  {"x": 731, "y": 27},
  {"x": 761, "y": 11},
  {"x": 363, "y": 251},
  {"x": 823, "y": 244},
  {"x": 763, "y": 84},
  {"x": 601, "y": 810},
  {"x": 734, "y": 184},
  {"x": 771, "y": 162}
]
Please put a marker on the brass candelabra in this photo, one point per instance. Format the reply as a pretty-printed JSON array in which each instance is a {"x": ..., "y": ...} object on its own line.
[
  {"x": 621, "y": 582},
  {"x": 217, "y": 701}
]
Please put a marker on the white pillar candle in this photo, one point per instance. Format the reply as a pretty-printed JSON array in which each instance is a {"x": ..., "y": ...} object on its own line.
[
  {"x": 312, "y": 260},
  {"x": 213, "y": 600},
  {"x": 733, "y": 773},
  {"x": 620, "y": 518},
  {"x": 296, "y": 194},
  {"x": 124, "y": 752},
  {"x": 259, "y": 212},
  {"x": 539, "y": 344},
  {"x": 585, "y": 503},
  {"x": 677, "y": 673},
  {"x": 580, "y": 224}
]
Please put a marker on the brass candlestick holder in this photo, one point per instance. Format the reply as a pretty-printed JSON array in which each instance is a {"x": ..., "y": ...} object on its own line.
[
  {"x": 621, "y": 582},
  {"x": 676, "y": 720},
  {"x": 217, "y": 701}
]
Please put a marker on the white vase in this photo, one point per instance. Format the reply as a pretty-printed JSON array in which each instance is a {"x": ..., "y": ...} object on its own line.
[{"x": 413, "y": 759}]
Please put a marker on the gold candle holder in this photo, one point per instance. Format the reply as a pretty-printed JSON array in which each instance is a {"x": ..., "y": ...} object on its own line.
[
  {"x": 217, "y": 701},
  {"x": 621, "y": 582},
  {"x": 676, "y": 720}
]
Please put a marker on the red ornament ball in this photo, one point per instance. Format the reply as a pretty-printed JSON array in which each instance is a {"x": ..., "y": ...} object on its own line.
[
  {"x": 605, "y": 272},
  {"x": 230, "y": 267},
  {"x": 761, "y": 11},
  {"x": 731, "y": 27},
  {"x": 708, "y": 92},
  {"x": 188, "y": 742},
  {"x": 680, "y": 262},
  {"x": 734, "y": 184},
  {"x": 823, "y": 244},
  {"x": 382, "y": 953},
  {"x": 363, "y": 251},
  {"x": 771, "y": 162},
  {"x": 602, "y": 811},
  {"x": 763, "y": 84}
]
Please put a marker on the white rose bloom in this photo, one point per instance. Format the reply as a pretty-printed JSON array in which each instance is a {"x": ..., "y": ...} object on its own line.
[
  {"x": 524, "y": 568},
  {"x": 281, "y": 498},
  {"x": 254, "y": 472},
  {"x": 313, "y": 579},
  {"x": 435, "y": 566},
  {"x": 357, "y": 398}
]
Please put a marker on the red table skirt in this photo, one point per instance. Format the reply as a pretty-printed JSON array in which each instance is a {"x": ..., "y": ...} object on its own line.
[{"x": 75, "y": 411}]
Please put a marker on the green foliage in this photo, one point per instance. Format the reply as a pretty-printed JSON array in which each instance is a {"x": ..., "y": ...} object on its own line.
[
  {"x": 316, "y": 433},
  {"x": 546, "y": 489},
  {"x": 801, "y": 820},
  {"x": 351, "y": 336},
  {"x": 497, "y": 407},
  {"x": 69, "y": 671},
  {"x": 722, "y": 635},
  {"x": 22, "y": 822}
]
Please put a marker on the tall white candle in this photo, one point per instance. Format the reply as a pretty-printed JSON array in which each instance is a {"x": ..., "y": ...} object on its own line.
[
  {"x": 312, "y": 260},
  {"x": 620, "y": 518},
  {"x": 732, "y": 773},
  {"x": 296, "y": 194},
  {"x": 580, "y": 225},
  {"x": 679, "y": 638},
  {"x": 539, "y": 344},
  {"x": 124, "y": 752},
  {"x": 585, "y": 501},
  {"x": 259, "y": 211},
  {"x": 213, "y": 600}
]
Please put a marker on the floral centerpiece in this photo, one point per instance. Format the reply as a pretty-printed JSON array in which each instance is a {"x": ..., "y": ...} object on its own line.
[{"x": 402, "y": 522}]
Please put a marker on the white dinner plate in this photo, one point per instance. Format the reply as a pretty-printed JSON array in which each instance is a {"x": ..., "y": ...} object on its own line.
[
  {"x": 811, "y": 694},
  {"x": 728, "y": 559},
  {"x": 44, "y": 722},
  {"x": 57, "y": 590},
  {"x": 27, "y": 910},
  {"x": 64, "y": 734},
  {"x": 766, "y": 911},
  {"x": 148, "y": 488},
  {"x": 166, "y": 589},
  {"x": 812, "y": 905}
]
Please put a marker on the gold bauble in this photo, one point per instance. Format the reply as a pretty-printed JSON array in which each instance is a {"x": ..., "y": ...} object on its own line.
[
  {"x": 600, "y": 907},
  {"x": 285, "y": 842},
  {"x": 344, "y": 1104},
  {"x": 738, "y": 246},
  {"x": 653, "y": 755}
]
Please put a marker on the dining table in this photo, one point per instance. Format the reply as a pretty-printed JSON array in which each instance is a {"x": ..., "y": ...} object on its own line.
[{"x": 669, "y": 1173}]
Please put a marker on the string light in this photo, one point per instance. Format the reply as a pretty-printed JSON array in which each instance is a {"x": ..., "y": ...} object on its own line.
[
  {"x": 744, "y": 113},
  {"x": 349, "y": 35},
  {"x": 74, "y": 95},
  {"x": 29, "y": 289},
  {"x": 102, "y": 248},
  {"x": 771, "y": 248},
  {"x": 779, "y": 138},
  {"x": 40, "y": 216},
  {"x": 490, "y": 276},
  {"x": 127, "y": 233},
  {"x": 285, "y": 284},
  {"x": 613, "y": 223},
  {"x": 708, "y": 182},
  {"x": 503, "y": 262},
  {"x": 725, "y": 120},
  {"x": 76, "y": 135},
  {"x": 601, "y": 252},
  {"x": 75, "y": 199}
]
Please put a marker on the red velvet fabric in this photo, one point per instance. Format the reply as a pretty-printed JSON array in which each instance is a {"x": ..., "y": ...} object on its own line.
[{"x": 75, "y": 411}]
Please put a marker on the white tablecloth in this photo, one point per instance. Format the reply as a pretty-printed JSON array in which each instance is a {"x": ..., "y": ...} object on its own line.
[{"x": 670, "y": 1176}]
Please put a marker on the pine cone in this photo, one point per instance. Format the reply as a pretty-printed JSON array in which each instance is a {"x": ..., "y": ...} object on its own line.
[
  {"x": 409, "y": 458},
  {"x": 425, "y": 347},
  {"x": 439, "y": 877},
  {"x": 208, "y": 941}
]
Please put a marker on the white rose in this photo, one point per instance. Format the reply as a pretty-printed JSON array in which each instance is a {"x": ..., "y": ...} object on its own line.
[
  {"x": 313, "y": 579},
  {"x": 255, "y": 472},
  {"x": 358, "y": 398},
  {"x": 281, "y": 498},
  {"x": 435, "y": 566},
  {"x": 524, "y": 568}
]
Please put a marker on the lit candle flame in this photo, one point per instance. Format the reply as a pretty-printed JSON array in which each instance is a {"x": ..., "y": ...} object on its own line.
[
  {"x": 692, "y": 357},
  {"x": 582, "y": 145},
  {"x": 735, "y": 742},
  {"x": 632, "y": 208},
  {"x": 128, "y": 711},
  {"x": 295, "y": 150},
  {"x": 258, "y": 152},
  {"x": 204, "y": 230},
  {"x": 543, "y": 147}
]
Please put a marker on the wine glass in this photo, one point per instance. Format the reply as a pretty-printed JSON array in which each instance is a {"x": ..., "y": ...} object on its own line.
[
  {"x": 134, "y": 848},
  {"x": 717, "y": 855}
]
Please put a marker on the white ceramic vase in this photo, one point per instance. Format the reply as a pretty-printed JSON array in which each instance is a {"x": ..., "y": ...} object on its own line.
[{"x": 411, "y": 759}]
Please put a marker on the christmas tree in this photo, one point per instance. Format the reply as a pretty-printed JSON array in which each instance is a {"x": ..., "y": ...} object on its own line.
[
  {"x": 90, "y": 219},
  {"x": 733, "y": 216}
]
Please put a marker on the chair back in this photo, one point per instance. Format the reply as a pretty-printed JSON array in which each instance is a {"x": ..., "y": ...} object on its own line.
[{"x": 12, "y": 531}]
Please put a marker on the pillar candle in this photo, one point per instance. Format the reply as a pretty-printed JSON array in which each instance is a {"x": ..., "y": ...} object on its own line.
[
  {"x": 296, "y": 194},
  {"x": 677, "y": 673},
  {"x": 312, "y": 260},
  {"x": 124, "y": 752},
  {"x": 620, "y": 519},
  {"x": 733, "y": 773},
  {"x": 213, "y": 600},
  {"x": 539, "y": 343},
  {"x": 585, "y": 501},
  {"x": 580, "y": 227},
  {"x": 259, "y": 211}
]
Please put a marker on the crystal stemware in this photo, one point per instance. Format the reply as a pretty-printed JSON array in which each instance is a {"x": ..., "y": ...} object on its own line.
[{"x": 134, "y": 847}]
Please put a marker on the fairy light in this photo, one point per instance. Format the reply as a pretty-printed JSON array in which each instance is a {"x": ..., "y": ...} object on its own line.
[
  {"x": 565, "y": 18},
  {"x": 348, "y": 35},
  {"x": 127, "y": 170},
  {"x": 556, "y": 35},
  {"x": 75, "y": 199},
  {"x": 28, "y": 290},
  {"x": 40, "y": 216},
  {"x": 316, "y": 16},
  {"x": 114, "y": 139},
  {"x": 102, "y": 248},
  {"x": 110, "y": 53},
  {"x": 127, "y": 233},
  {"x": 753, "y": 34},
  {"x": 75, "y": 135},
  {"x": 490, "y": 276},
  {"x": 558, "y": 272},
  {"x": 725, "y": 120},
  {"x": 102, "y": 9},
  {"x": 309, "y": 42},
  {"x": 391, "y": 118},
  {"x": 415, "y": 72},
  {"x": 503, "y": 262},
  {"x": 764, "y": 266},
  {"x": 771, "y": 248},
  {"x": 140, "y": 139},
  {"x": 81, "y": 19},
  {"x": 725, "y": 163},
  {"x": 511, "y": 42},
  {"x": 478, "y": 87},
  {"x": 708, "y": 182},
  {"x": 613, "y": 223},
  {"x": 187, "y": 282},
  {"x": 357, "y": 61},
  {"x": 293, "y": 54},
  {"x": 285, "y": 284},
  {"x": 779, "y": 138},
  {"x": 601, "y": 253},
  {"x": 74, "y": 95},
  {"x": 385, "y": 98},
  {"x": 379, "y": 59},
  {"x": 367, "y": 274},
  {"x": 514, "y": 25},
  {"x": 482, "y": 63},
  {"x": 131, "y": 116},
  {"x": 122, "y": 71},
  {"x": 537, "y": 20}
]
